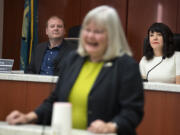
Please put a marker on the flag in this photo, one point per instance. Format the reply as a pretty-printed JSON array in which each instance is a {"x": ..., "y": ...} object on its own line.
[{"x": 29, "y": 32}]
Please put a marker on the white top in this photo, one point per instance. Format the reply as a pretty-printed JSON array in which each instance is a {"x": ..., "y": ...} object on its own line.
[{"x": 164, "y": 72}]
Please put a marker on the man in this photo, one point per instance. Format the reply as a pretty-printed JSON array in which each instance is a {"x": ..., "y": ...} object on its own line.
[{"x": 48, "y": 57}]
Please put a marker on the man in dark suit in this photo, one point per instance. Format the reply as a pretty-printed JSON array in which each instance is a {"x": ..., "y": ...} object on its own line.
[{"x": 48, "y": 57}]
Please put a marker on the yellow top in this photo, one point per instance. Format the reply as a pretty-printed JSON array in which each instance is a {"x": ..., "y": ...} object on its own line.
[{"x": 80, "y": 91}]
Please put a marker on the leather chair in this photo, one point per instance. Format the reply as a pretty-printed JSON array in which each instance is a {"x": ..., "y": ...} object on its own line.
[
  {"x": 177, "y": 41},
  {"x": 74, "y": 31}
]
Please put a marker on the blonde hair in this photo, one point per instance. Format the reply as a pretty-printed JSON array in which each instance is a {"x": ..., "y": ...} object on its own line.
[{"x": 107, "y": 17}]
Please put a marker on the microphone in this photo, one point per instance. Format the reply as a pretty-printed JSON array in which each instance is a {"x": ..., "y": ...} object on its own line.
[{"x": 146, "y": 80}]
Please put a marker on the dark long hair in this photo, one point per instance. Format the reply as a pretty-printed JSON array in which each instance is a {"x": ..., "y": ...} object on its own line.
[{"x": 168, "y": 45}]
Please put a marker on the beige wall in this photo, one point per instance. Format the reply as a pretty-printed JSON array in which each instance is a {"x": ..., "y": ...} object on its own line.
[{"x": 1, "y": 25}]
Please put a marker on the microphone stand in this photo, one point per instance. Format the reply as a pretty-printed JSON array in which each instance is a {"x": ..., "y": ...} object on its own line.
[{"x": 146, "y": 80}]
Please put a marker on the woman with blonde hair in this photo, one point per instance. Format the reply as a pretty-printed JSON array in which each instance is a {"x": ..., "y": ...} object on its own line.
[{"x": 101, "y": 80}]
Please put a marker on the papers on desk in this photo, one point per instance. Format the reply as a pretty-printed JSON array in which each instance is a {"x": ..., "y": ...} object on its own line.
[
  {"x": 6, "y": 65},
  {"x": 17, "y": 72}
]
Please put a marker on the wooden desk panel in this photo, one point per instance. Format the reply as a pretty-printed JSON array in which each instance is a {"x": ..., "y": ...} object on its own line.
[
  {"x": 12, "y": 96},
  {"x": 172, "y": 113},
  {"x": 37, "y": 92},
  {"x": 162, "y": 114},
  {"x": 162, "y": 111},
  {"x": 22, "y": 95}
]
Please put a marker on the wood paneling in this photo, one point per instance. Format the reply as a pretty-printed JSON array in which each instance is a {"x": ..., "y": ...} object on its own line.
[
  {"x": 136, "y": 18},
  {"x": 73, "y": 12},
  {"x": 172, "y": 111},
  {"x": 13, "y": 14},
  {"x": 22, "y": 96},
  {"x": 12, "y": 96},
  {"x": 154, "y": 113},
  {"x": 141, "y": 14},
  {"x": 1, "y": 25},
  {"x": 161, "y": 114},
  {"x": 36, "y": 93},
  {"x": 120, "y": 5},
  {"x": 68, "y": 10},
  {"x": 178, "y": 18},
  {"x": 161, "y": 108}
]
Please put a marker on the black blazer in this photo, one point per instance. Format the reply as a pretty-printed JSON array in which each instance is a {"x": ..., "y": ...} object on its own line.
[
  {"x": 38, "y": 55},
  {"x": 117, "y": 94}
]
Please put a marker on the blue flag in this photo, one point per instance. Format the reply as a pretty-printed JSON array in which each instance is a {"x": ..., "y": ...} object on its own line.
[{"x": 29, "y": 32}]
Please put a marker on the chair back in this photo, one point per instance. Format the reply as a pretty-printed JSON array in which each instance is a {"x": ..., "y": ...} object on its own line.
[{"x": 177, "y": 41}]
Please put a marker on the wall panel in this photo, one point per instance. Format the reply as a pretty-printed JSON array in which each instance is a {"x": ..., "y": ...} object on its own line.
[
  {"x": 178, "y": 18},
  {"x": 120, "y": 5},
  {"x": 1, "y": 25},
  {"x": 69, "y": 10},
  {"x": 136, "y": 17},
  {"x": 13, "y": 14}
]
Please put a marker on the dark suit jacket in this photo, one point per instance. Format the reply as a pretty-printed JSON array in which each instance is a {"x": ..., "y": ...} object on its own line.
[
  {"x": 38, "y": 55},
  {"x": 117, "y": 94}
]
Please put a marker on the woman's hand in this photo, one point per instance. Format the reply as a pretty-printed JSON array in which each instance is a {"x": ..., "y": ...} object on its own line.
[
  {"x": 99, "y": 126},
  {"x": 17, "y": 117}
]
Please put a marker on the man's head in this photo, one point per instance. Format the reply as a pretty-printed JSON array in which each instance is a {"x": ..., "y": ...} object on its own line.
[{"x": 55, "y": 28}]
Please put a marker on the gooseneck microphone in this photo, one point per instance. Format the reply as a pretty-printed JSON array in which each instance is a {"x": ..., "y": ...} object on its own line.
[{"x": 146, "y": 80}]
